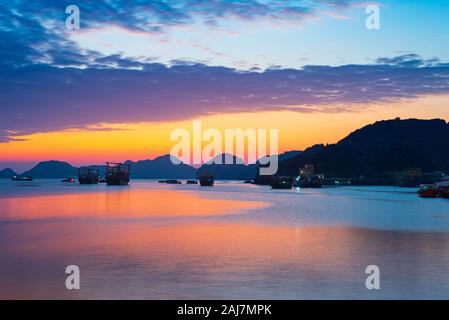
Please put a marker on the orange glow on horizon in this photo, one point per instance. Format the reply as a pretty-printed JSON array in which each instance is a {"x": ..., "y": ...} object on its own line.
[{"x": 138, "y": 141}]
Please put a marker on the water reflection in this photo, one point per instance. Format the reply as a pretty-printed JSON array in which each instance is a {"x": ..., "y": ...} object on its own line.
[
  {"x": 207, "y": 260},
  {"x": 129, "y": 203},
  {"x": 226, "y": 242}
]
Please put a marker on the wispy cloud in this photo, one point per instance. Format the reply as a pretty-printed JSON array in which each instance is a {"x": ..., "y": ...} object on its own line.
[
  {"x": 41, "y": 97},
  {"x": 36, "y": 29}
]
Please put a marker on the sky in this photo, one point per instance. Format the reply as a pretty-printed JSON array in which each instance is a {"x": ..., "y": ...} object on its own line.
[{"x": 135, "y": 71}]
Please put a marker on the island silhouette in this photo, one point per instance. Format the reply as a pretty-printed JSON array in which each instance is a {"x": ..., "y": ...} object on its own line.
[{"x": 375, "y": 154}]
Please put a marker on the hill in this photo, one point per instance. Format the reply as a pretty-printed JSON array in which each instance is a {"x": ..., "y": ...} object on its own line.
[
  {"x": 237, "y": 170},
  {"x": 227, "y": 171},
  {"x": 379, "y": 148},
  {"x": 161, "y": 168},
  {"x": 7, "y": 173},
  {"x": 51, "y": 170}
]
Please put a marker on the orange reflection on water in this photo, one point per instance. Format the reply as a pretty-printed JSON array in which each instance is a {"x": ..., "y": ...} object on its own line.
[
  {"x": 208, "y": 259},
  {"x": 217, "y": 242},
  {"x": 120, "y": 203}
]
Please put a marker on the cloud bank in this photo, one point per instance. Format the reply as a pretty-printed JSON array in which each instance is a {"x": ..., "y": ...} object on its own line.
[{"x": 38, "y": 98}]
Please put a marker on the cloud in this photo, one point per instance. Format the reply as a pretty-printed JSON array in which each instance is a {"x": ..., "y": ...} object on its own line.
[
  {"x": 155, "y": 14},
  {"x": 38, "y": 98},
  {"x": 408, "y": 60},
  {"x": 48, "y": 83},
  {"x": 36, "y": 29}
]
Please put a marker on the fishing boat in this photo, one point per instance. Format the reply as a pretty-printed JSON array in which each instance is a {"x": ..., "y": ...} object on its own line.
[
  {"x": 206, "y": 179},
  {"x": 20, "y": 178},
  {"x": 117, "y": 174},
  {"x": 308, "y": 178},
  {"x": 312, "y": 181},
  {"x": 101, "y": 180},
  {"x": 438, "y": 189},
  {"x": 192, "y": 182},
  {"x": 444, "y": 193},
  {"x": 88, "y": 176},
  {"x": 69, "y": 180},
  {"x": 428, "y": 191},
  {"x": 281, "y": 182},
  {"x": 443, "y": 187},
  {"x": 172, "y": 181}
]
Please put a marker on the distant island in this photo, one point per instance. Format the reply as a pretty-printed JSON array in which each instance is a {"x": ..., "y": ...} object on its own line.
[
  {"x": 237, "y": 170},
  {"x": 158, "y": 168},
  {"x": 7, "y": 173},
  {"x": 380, "y": 153}
]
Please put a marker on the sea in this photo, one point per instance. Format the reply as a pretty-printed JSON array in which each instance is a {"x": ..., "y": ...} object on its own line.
[{"x": 231, "y": 241}]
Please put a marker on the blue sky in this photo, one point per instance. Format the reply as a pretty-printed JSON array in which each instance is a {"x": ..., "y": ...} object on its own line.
[
  {"x": 324, "y": 34},
  {"x": 236, "y": 33}
]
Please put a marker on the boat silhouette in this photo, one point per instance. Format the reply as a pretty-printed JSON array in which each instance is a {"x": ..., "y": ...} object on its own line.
[
  {"x": 281, "y": 182},
  {"x": 206, "y": 179},
  {"x": 20, "y": 178}
]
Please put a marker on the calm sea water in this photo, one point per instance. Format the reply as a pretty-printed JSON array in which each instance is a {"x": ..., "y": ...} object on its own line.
[{"x": 156, "y": 241}]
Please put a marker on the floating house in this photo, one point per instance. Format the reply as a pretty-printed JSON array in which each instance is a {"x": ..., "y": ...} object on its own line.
[
  {"x": 88, "y": 176},
  {"x": 308, "y": 178},
  {"x": 117, "y": 174}
]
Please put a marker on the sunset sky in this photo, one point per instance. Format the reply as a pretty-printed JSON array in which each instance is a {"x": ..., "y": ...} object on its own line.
[{"x": 116, "y": 88}]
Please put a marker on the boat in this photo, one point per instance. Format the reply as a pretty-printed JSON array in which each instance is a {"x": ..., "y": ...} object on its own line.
[
  {"x": 88, "y": 176},
  {"x": 117, "y": 174},
  {"x": 443, "y": 187},
  {"x": 192, "y": 182},
  {"x": 206, "y": 179},
  {"x": 171, "y": 181},
  {"x": 281, "y": 182},
  {"x": 428, "y": 191},
  {"x": 308, "y": 178},
  {"x": 438, "y": 189},
  {"x": 101, "y": 180},
  {"x": 310, "y": 181},
  {"x": 69, "y": 180},
  {"x": 444, "y": 193},
  {"x": 20, "y": 178}
]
